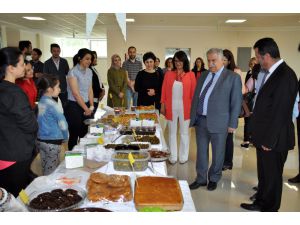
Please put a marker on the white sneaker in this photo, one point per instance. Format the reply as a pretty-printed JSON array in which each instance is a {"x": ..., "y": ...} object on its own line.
[{"x": 172, "y": 161}]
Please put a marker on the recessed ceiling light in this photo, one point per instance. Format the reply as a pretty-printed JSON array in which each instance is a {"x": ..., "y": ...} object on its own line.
[
  {"x": 235, "y": 21},
  {"x": 33, "y": 18},
  {"x": 131, "y": 20}
]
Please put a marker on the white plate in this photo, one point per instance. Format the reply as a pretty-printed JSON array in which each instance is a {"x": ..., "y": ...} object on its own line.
[{"x": 161, "y": 159}]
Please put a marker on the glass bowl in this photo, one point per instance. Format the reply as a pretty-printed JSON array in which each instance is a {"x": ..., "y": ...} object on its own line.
[{"x": 66, "y": 207}]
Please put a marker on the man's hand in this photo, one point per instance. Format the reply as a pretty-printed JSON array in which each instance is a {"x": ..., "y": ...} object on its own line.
[
  {"x": 265, "y": 148},
  {"x": 230, "y": 130}
]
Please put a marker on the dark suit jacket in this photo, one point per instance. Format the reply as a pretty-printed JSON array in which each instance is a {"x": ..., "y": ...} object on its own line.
[
  {"x": 271, "y": 124},
  {"x": 224, "y": 104},
  {"x": 50, "y": 68}
]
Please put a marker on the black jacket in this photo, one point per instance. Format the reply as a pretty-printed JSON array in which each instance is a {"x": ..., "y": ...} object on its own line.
[
  {"x": 97, "y": 90},
  {"x": 18, "y": 125},
  {"x": 62, "y": 72},
  {"x": 271, "y": 124}
]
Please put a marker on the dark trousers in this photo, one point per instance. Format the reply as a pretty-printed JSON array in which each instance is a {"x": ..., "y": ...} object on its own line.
[
  {"x": 229, "y": 150},
  {"x": 16, "y": 177},
  {"x": 95, "y": 107},
  {"x": 75, "y": 118},
  {"x": 298, "y": 134},
  {"x": 64, "y": 99},
  {"x": 270, "y": 168},
  {"x": 246, "y": 129}
]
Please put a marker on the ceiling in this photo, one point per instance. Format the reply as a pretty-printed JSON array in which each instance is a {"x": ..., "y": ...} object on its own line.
[
  {"x": 215, "y": 20},
  {"x": 73, "y": 24},
  {"x": 59, "y": 24}
]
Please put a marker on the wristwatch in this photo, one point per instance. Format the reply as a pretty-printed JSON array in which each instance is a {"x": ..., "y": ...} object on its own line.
[{"x": 4, "y": 200}]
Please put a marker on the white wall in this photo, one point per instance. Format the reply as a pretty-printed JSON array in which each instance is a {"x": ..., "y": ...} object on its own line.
[
  {"x": 200, "y": 40},
  {"x": 115, "y": 43},
  {"x": 31, "y": 36},
  {"x": 12, "y": 37},
  {"x": 44, "y": 45},
  {"x": 156, "y": 39}
]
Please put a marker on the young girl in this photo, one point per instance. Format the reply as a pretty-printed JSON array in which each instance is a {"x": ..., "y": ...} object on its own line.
[
  {"x": 27, "y": 84},
  {"x": 53, "y": 127}
]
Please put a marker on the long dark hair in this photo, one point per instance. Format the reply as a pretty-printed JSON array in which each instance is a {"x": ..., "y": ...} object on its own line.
[
  {"x": 80, "y": 54},
  {"x": 181, "y": 56},
  {"x": 46, "y": 81},
  {"x": 229, "y": 56},
  {"x": 202, "y": 68},
  {"x": 9, "y": 56},
  {"x": 166, "y": 62}
]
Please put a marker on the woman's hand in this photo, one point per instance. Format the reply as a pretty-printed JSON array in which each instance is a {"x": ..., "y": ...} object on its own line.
[
  {"x": 88, "y": 112},
  {"x": 102, "y": 95},
  {"x": 151, "y": 92},
  {"x": 163, "y": 109},
  {"x": 121, "y": 95}
]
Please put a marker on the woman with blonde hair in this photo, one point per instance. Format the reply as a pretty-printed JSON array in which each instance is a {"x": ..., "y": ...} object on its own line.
[{"x": 117, "y": 82}]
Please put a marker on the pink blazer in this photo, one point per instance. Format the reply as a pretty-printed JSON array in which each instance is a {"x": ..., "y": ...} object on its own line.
[{"x": 189, "y": 85}]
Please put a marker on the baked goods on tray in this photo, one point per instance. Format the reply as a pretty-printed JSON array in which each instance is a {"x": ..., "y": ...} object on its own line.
[
  {"x": 163, "y": 192},
  {"x": 113, "y": 187}
]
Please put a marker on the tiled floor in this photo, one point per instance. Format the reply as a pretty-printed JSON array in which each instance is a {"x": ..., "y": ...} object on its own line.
[{"x": 236, "y": 184}]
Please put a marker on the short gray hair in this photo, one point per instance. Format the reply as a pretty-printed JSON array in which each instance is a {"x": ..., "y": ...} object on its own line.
[{"x": 217, "y": 51}]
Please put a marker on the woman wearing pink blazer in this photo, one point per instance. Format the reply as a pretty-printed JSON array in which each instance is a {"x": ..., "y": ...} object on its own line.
[{"x": 176, "y": 97}]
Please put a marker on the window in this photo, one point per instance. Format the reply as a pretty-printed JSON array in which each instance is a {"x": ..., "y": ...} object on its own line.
[
  {"x": 100, "y": 46},
  {"x": 70, "y": 46},
  {"x": 171, "y": 51}
]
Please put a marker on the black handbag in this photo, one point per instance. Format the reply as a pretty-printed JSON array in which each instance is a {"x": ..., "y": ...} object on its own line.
[
  {"x": 245, "y": 111},
  {"x": 249, "y": 99}
]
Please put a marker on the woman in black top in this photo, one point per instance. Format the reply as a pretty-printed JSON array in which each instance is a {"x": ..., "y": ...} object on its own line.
[
  {"x": 18, "y": 124},
  {"x": 98, "y": 87},
  {"x": 148, "y": 83}
]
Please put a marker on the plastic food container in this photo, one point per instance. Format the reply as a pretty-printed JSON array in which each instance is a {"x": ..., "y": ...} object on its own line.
[{"x": 121, "y": 161}]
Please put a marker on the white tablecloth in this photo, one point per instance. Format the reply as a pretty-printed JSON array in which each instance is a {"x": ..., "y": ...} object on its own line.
[
  {"x": 81, "y": 175},
  {"x": 54, "y": 181}
]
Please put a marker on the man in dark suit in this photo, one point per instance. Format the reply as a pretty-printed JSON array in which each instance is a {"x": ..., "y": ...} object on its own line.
[
  {"x": 296, "y": 179},
  {"x": 271, "y": 124},
  {"x": 215, "y": 109},
  {"x": 60, "y": 67}
]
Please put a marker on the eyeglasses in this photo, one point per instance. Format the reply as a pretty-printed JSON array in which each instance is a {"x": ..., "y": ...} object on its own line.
[{"x": 177, "y": 61}]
